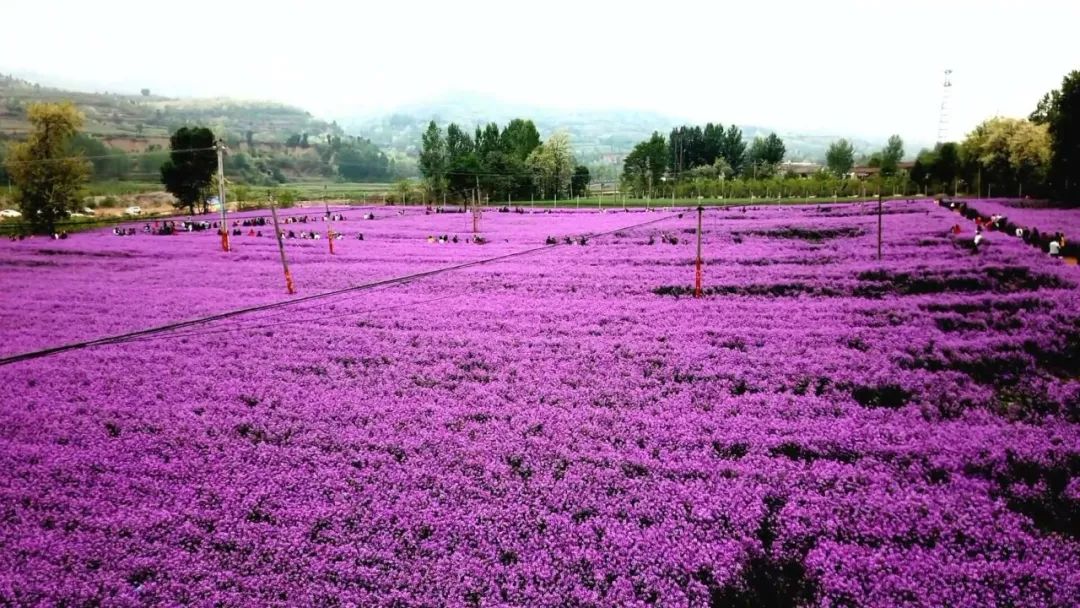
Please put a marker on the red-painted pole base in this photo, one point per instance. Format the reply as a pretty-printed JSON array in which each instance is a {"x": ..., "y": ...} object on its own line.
[
  {"x": 697, "y": 280},
  {"x": 289, "y": 283}
]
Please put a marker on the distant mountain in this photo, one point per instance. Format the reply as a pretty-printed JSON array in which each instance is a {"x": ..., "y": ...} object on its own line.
[
  {"x": 135, "y": 122},
  {"x": 139, "y": 122},
  {"x": 595, "y": 134}
]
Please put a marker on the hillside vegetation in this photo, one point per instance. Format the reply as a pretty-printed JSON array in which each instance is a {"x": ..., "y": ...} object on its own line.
[{"x": 268, "y": 142}]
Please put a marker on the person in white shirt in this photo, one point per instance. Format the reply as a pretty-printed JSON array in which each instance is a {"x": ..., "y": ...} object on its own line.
[
  {"x": 1055, "y": 249},
  {"x": 978, "y": 238}
]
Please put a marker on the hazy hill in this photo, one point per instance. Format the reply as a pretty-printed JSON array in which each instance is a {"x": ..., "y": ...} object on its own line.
[
  {"x": 138, "y": 123},
  {"x": 595, "y": 134},
  {"x": 264, "y": 138},
  {"x": 134, "y": 122}
]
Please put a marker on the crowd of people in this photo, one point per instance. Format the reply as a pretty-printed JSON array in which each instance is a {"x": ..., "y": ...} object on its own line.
[
  {"x": 166, "y": 228},
  {"x": 443, "y": 238},
  {"x": 56, "y": 236},
  {"x": 1054, "y": 244},
  {"x": 170, "y": 227},
  {"x": 303, "y": 219},
  {"x": 311, "y": 234}
]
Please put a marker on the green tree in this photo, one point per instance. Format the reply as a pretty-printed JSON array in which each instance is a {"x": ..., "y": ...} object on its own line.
[
  {"x": 285, "y": 197},
  {"x": 433, "y": 160},
  {"x": 644, "y": 166},
  {"x": 553, "y": 163},
  {"x": 150, "y": 163},
  {"x": 496, "y": 179},
  {"x": 402, "y": 191},
  {"x": 712, "y": 143},
  {"x": 923, "y": 169},
  {"x": 579, "y": 184},
  {"x": 686, "y": 149},
  {"x": 192, "y": 162},
  {"x": 360, "y": 160},
  {"x": 46, "y": 178},
  {"x": 520, "y": 138},
  {"x": 1009, "y": 152},
  {"x": 891, "y": 155},
  {"x": 108, "y": 163},
  {"x": 1059, "y": 110},
  {"x": 463, "y": 164},
  {"x": 949, "y": 163},
  {"x": 734, "y": 149},
  {"x": 840, "y": 157},
  {"x": 766, "y": 154},
  {"x": 240, "y": 193},
  {"x": 722, "y": 168}
]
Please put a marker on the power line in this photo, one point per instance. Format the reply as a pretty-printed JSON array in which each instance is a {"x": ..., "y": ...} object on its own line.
[
  {"x": 261, "y": 325},
  {"x": 127, "y": 337},
  {"x": 105, "y": 156}
]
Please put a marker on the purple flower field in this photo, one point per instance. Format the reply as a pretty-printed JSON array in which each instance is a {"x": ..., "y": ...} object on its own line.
[
  {"x": 562, "y": 428},
  {"x": 1046, "y": 220}
]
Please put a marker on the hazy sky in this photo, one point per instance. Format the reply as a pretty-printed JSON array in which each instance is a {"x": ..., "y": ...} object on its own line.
[{"x": 826, "y": 66}]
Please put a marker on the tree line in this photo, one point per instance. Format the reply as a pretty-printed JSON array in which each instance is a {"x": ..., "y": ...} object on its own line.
[
  {"x": 498, "y": 163},
  {"x": 1013, "y": 157},
  {"x": 1038, "y": 156},
  {"x": 332, "y": 157},
  {"x": 694, "y": 152}
]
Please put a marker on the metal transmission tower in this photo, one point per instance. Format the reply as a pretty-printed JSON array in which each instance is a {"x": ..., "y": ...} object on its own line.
[{"x": 943, "y": 117}]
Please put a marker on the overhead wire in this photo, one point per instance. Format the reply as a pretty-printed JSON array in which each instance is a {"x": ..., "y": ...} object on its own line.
[
  {"x": 102, "y": 156},
  {"x": 259, "y": 324},
  {"x": 128, "y": 336}
]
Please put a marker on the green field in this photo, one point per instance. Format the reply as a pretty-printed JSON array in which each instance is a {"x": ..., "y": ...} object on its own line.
[{"x": 312, "y": 189}]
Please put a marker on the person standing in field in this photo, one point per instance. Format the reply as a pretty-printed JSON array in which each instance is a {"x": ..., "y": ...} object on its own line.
[{"x": 1055, "y": 248}]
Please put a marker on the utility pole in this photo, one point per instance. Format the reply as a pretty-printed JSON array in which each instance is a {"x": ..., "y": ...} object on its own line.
[
  {"x": 220, "y": 147},
  {"x": 879, "y": 226},
  {"x": 329, "y": 223},
  {"x": 281, "y": 248},
  {"x": 697, "y": 273},
  {"x": 476, "y": 208}
]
